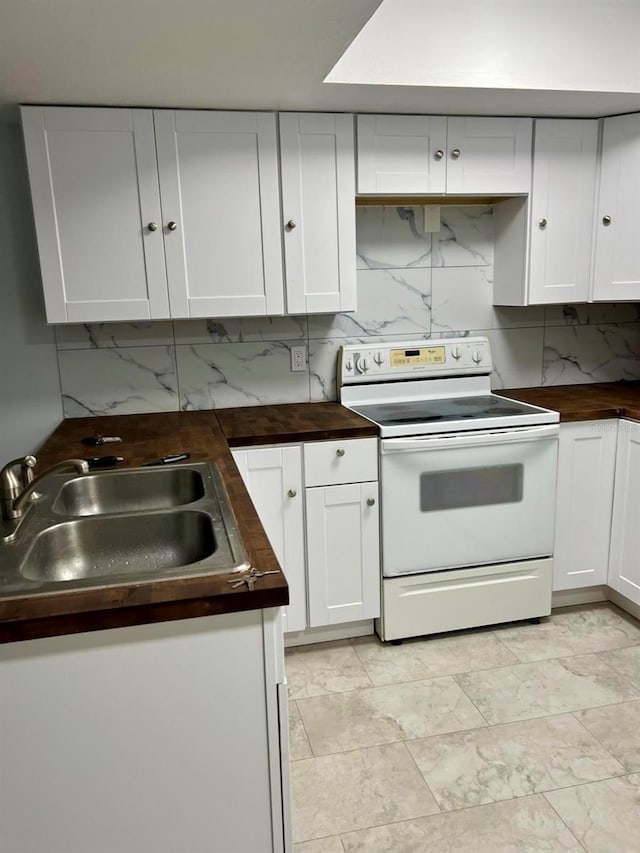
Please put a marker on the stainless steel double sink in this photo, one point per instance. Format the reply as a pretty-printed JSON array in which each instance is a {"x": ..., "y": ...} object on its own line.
[{"x": 136, "y": 525}]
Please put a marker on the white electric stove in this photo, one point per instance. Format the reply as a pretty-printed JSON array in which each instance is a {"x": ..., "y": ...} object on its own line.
[{"x": 467, "y": 486}]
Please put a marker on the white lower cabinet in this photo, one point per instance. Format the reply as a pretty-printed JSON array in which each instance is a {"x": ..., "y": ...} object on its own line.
[
  {"x": 343, "y": 553},
  {"x": 624, "y": 563},
  {"x": 160, "y": 738},
  {"x": 273, "y": 477},
  {"x": 586, "y": 470},
  {"x": 330, "y": 550}
]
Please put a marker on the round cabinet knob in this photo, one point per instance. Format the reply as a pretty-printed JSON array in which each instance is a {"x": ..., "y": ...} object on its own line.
[
  {"x": 370, "y": 501},
  {"x": 542, "y": 223},
  {"x": 152, "y": 226},
  {"x": 291, "y": 224},
  {"x": 172, "y": 225},
  {"x": 362, "y": 364},
  {"x": 606, "y": 219},
  {"x": 455, "y": 153},
  {"x": 340, "y": 452},
  {"x": 292, "y": 493},
  {"x": 456, "y": 353},
  {"x": 476, "y": 355},
  {"x": 439, "y": 154}
]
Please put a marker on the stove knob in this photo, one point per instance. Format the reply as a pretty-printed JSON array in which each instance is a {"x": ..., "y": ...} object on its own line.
[
  {"x": 348, "y": 365},
  {"x": 363, "y": 364},
  {"x": 476, "y": 355},
  {"x": 378, "y": 358},
  {"x": 456, "y": 352}
]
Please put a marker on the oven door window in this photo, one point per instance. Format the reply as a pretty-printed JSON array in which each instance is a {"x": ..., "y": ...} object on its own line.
[{"x": 471, "y": 487}]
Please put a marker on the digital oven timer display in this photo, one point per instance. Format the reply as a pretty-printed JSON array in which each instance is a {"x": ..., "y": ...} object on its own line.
[{"x": 412, "y": 357}]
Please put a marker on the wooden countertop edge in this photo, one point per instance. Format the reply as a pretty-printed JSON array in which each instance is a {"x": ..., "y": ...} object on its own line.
[
  {"x": 591, "y": 401},
  {"x": 292, "y": 438},
  {"x": 32, "y": 617}
]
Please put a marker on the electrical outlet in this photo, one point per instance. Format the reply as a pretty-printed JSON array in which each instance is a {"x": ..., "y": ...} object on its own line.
[{"x": 298, "y": 358}]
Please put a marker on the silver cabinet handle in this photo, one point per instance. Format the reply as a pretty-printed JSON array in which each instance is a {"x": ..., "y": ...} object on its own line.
[
  {"x": 606, "y": 219},
  {"x": 439, "y": 154},
  {"x": 152, "y": 226},
  {"x": 455, "y": 153},
  {"x": 291, "y": 224},
  {"x": 340, "y": 452},
  {"x": 542, "y": 222},
  {"x": 172, "y": 225},
  {"x": 371, "y": 501},
  {"x": 292, "y": 493}
]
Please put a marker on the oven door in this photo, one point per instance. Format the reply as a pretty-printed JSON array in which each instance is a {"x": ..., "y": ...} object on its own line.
[{"x": 465, "y": 500}]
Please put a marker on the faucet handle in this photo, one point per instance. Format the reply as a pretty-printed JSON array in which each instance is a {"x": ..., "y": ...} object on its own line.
[
  {"x": 16, "y": 475},
  {"x": 28, "y": 464}
]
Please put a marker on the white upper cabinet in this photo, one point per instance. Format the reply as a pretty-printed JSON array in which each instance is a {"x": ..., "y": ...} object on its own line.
[
  {"x": 488, "y": 155},
  {"x": 402, "y": 154},
  {"x": 94, "y": 186},
  {"x": 617, "y": 256},
  {"x": 220, "y": 212},
  {"x": 562, "y": 197},
  {"x": 318, "y": 209},
  {"x": 149, "y": 214},
  {"x": 437, "y": 155}
]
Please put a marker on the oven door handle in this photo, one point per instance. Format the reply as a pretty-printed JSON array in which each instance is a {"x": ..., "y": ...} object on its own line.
[{"x": 479, "y": 439}]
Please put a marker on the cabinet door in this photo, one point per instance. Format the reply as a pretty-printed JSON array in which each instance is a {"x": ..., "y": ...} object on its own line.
[
  {"x": 219, "y": 188},
  {"x": 318, "y": 190},
  {"x": 401, "y": 154},
  {"x": 624, "y": 565},
  {"x": 617, "y": 256},
  {"x": 488, "y": 155},
  {"x": 94, "y": 186},
  {"x": 586, "y": 468},
  {"x": 273, "y": 477},
  {"x": 343, "y": 553},
  {"x": 158, "y": 726},
  {"x": 564, "y": 174}
]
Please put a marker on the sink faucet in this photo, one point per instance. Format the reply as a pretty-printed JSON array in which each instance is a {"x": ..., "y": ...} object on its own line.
[{"x": 17, "y": 483}]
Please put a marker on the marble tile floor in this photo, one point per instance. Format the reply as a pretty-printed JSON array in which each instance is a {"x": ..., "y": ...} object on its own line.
[{"x": 515, "y": 739}]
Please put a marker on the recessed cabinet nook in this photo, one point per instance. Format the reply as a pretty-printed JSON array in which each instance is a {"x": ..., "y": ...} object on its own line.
[{"x": 151, "y": 214}]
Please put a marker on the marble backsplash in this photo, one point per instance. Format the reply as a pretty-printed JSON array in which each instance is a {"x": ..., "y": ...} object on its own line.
[{"x": 411, "y": 285}]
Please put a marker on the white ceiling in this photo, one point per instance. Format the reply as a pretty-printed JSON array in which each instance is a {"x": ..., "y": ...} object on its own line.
[{"x": 242, "y": 54}]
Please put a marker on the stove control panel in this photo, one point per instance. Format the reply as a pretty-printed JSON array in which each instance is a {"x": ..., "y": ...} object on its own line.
[{"x": 423, "y": 359}]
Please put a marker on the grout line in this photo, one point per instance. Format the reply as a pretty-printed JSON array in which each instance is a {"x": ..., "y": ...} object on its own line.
[
  {"x": 304, "y": 728},
  {"x": 597, "y": 739},
  {"x": 455, "y": 678},
  {"x": 422, "y": 776},
  {"x": 563, "y": 820}
]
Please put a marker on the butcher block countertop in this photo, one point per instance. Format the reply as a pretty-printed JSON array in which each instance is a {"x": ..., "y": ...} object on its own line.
[
  {"x": 584, "y": 402},
  {"x": 206, "y": 436}
]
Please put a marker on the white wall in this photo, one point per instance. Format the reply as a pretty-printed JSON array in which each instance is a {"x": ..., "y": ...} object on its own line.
[{"x": 30, "y": 404}]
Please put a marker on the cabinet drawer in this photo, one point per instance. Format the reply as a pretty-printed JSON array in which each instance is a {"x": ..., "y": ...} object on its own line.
[{"x": 330, "y": 463}]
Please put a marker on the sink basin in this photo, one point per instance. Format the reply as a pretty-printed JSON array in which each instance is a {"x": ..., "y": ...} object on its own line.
[
  {"x": 82, "y": 549},
  {"x": 129, "y": 491},
  {"x": 114, "y": 528}
]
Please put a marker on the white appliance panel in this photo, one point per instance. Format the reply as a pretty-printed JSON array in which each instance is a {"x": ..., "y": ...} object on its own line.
[
  {"x": 457, "y": 500},
  {"x": 464, "y": 598}
]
